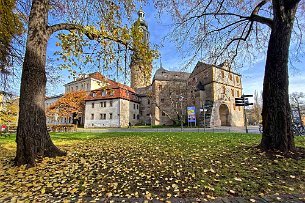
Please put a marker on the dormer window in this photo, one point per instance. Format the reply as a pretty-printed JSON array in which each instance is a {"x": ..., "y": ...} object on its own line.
[
  {"x": 104, "y": 93},
  {"x": 111, "y": 92},
  {"x": 93, "y": 94}
]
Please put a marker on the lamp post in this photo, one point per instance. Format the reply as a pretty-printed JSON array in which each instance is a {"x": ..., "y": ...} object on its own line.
[{"x": 181, "y": 117}]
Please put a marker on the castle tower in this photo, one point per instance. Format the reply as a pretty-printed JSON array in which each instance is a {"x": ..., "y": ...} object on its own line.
[{"x": 140, "y": 74}]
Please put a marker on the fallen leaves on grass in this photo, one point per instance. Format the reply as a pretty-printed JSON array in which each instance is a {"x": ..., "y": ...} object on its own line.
[{"x": 154, "y": 167}]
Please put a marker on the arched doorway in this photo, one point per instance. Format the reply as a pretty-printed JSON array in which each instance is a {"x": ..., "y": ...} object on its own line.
[{"x": 224, "y": 115}]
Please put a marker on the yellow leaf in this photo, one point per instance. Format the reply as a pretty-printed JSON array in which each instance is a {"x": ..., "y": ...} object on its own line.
[{"x": 237, "y": 179}]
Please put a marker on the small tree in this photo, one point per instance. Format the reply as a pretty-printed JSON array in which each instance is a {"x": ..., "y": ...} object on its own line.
[
  {"x": 297, "y": 102},
  {"x": 70, "y": 103},
  {"x": 257, "y": 108},
  {"x": 297, "y": 99},
  {"x": 9, "y": 112}
]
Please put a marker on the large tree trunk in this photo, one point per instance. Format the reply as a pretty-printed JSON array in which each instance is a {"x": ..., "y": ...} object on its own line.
[
  {"x": 277, "y": 134},
  {"x": 33, "y": 140}
]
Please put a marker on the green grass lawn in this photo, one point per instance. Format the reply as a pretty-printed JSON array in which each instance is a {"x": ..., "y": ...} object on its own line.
[{"x": 152, "y": 165}]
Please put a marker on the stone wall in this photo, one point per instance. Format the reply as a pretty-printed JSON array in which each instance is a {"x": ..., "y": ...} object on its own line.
[
  {"x": 166, "y": 105},
  {"x": 99, "y": 109}
]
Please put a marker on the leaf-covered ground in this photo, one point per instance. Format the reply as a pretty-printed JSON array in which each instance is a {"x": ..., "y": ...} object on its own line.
[{"x": 152, "y": 165}]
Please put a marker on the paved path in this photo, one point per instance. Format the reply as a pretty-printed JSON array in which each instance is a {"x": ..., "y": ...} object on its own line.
[
  {"x": 266, "y": 199},
  {"x": 251, "y": 129}
]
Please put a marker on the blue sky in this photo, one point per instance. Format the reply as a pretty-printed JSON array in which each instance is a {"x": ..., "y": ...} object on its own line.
[{"x": 252, "y": 75}]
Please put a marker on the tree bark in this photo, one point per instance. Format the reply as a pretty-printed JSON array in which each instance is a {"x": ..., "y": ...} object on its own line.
[
  {"x": 276, "y": 113},
  {"x": 33, "y": 139}
]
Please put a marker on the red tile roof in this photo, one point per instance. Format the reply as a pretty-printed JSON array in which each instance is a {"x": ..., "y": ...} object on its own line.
[
  {"x": 97, "y": 76},
  {"x": 113, "y": 90}
]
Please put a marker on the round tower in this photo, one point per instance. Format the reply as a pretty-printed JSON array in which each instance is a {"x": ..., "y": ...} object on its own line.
[{"x": 141, "y": 74}]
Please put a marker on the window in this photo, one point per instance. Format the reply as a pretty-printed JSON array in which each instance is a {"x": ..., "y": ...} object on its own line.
[
  {"x": 88, "y": 88},
  {"x": 103, "y": 116},
  {"x": 110, "y": 116},
  {"x": 110, "y": 103},
  {"x": 111, "y": 92},
  {"x": 137, "y": 106},
  {"x": 237, "y": 93},
  {"x": 138, "y": 116},
  {"x": 222, "y": 74},
  {"x": 71, "y": 89},
  {"x": 234, "y": 107},
  {"x": 134, "y": 116},
  {"x": 82, "y": 86},
  {"x": 231, "y": 77},
  {"x": 92, "y": 105},
  {"x": 237, "y": 79},
  {"x": 92, "y": 116},
  {"x": 104, "y": 93},
  {"x": 93, "y": 94},
  {"x": 162, "y": 100},
  {"x": 148, "y": 101},
  {"x": 76, "y": 87},
  {"x": 103, "y": 104},
  {"x": 134, "y": 106},
  {"x": 160, "y": 87},
  {"x": 148, "y": 114},
  {"x": 232, "y": 92},
  {"x": 163, "y": 114},
  {"x": 223, "y": 89}
]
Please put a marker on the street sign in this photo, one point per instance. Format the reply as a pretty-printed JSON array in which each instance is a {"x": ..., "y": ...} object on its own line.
[
  {"x": 239, "y": 102},
  {"x": 242, "y": 102},
  {"x": 247, "y": 95}
]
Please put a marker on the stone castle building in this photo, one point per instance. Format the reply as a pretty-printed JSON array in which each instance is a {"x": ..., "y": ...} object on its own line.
[
  {"x": 210, "y": 89},
  {"x": 165, "y": 100}
]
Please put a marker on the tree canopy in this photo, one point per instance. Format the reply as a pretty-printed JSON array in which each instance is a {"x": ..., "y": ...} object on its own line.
[
  {"x": 9, "y": 112},
  {"x": 11, "y": 28},
  {"x": 71, "y": 102},
  {"x": 219, "y": 30}
]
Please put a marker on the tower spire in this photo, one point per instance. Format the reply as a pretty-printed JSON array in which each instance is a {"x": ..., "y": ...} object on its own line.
[
  {"x": 161, "y": 61},
  {"x": 141, "y": 74}
]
